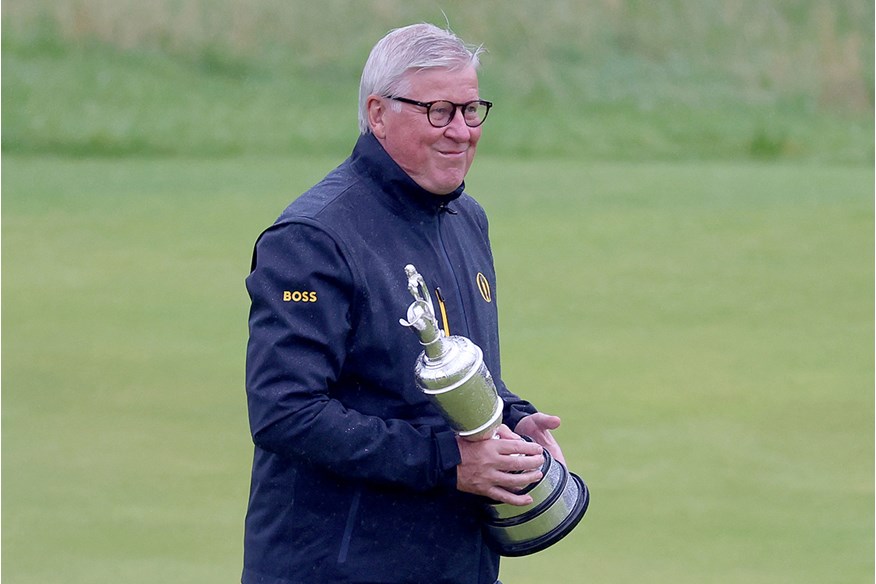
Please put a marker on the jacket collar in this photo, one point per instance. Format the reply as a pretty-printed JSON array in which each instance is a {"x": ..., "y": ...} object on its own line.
[{"x": 370, "y": 160}]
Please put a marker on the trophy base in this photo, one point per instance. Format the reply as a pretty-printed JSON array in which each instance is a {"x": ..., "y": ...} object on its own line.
[{"x": 560, "y": 500}]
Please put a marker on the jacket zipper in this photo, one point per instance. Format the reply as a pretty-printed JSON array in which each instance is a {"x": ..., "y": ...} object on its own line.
[
  {"x": 442, "y": 209},
  {"x": 443, "y": 311}
]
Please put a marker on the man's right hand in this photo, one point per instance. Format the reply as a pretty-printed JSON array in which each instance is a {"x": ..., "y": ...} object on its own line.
[{"x": 497, "y": 468}]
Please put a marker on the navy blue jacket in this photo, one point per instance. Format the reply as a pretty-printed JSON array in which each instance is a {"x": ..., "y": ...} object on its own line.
[{"x": 354, "y": 472}]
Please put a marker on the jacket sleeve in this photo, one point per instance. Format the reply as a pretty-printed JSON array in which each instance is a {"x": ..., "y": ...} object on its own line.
[
  {"x": 515, "y": 408},
  {"x": 303, "y": 302}
]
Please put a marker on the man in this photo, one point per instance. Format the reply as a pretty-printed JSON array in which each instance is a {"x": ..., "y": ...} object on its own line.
[{"x": 356, "y": 476}]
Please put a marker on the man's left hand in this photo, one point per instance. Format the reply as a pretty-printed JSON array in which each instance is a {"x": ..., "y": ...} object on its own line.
[{"x": 538, "y": 426}]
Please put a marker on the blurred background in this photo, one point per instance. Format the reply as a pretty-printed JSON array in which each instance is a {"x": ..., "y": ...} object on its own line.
[
  {"x": 681, "y": 205},
  {"x": 600, "y": 78}
]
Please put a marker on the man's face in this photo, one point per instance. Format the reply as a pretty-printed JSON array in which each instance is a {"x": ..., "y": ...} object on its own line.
[{"x": 436, "y": 158}]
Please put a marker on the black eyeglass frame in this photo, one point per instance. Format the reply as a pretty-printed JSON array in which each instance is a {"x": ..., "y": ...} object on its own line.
[{"x": 456, "y": 106}]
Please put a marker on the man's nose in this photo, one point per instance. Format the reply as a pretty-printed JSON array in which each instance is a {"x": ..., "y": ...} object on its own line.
[{"x": 457, "y": 128}]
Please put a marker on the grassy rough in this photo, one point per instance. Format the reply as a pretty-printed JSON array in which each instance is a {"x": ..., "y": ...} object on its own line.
[
  {"x": 604, "y": 80},
  {"x": 702, "y": 319}
]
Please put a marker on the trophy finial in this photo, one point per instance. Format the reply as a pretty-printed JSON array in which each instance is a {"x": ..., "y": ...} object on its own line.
[
  {"x": 421, "y": 313},
  {"x": 417, "y": 286}
]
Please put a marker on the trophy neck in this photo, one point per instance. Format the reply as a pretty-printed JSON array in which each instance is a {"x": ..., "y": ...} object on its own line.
[
  {"x": 421, "y": 317},
  {"x": 437, "y": 348}
]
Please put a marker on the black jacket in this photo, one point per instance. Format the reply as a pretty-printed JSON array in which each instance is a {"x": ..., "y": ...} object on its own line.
[{"x": 354, "y": 472}]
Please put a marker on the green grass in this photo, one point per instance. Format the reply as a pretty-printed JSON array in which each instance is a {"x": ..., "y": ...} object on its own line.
[
  {"x": 681, "y": 207},
  {"x": 714, "y": 79},
  {"x": 704, "y": 329}
]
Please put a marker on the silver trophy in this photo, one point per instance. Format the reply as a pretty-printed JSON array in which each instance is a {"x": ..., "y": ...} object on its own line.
[{"x": 451, "y": 371}]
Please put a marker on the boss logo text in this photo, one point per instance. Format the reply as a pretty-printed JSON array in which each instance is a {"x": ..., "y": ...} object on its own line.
[{"x": 298, "y": 296}]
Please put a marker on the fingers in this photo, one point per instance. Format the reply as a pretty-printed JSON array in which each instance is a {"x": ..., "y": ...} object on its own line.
[
  {"x": 502, "y": 467},
  {"x": 556, "y": 452},
  {"x": 517, "y": 448},
  {"x": 511, "y": 443},
  {"x": 501, "y": 495},
  {"x": 538, "y": 426},
  {"x": 538, "y": 423},
  {"x": 547, "y": 421},
  {"x": 505, "y": 433},
  {"x": 499, "y": 468},
  {"x": 507, "y": 487}
]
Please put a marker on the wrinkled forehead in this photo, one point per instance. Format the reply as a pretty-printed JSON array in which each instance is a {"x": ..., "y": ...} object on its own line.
[{"x": 439, "y": 79}]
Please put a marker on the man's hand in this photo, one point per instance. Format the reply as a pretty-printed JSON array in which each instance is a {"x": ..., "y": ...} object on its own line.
[
  {"x": 496, "y": 468},
  {"x": 538, "y": 426}
]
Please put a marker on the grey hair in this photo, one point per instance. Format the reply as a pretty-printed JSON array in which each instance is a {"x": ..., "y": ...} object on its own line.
[{"x": 414, "y": 47}]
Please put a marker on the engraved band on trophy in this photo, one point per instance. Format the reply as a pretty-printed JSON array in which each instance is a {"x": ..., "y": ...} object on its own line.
[{"x": 452, "y": 373}]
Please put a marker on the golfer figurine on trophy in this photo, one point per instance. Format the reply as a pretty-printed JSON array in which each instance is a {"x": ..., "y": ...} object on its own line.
[{"x": 452, "y": 373}]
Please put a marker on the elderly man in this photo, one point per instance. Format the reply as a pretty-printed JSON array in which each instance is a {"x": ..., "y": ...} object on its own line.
[{"x": 356, "y": 476}]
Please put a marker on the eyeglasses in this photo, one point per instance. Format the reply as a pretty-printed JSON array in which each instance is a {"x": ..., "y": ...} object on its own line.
[{"x": 441, "y": 112}]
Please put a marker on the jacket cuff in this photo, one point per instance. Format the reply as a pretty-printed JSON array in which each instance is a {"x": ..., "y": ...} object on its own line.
[
  {"x": 515, "y": 414},
  {"x": 448, "y": 458}
]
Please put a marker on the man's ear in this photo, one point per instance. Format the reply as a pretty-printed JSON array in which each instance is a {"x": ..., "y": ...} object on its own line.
[{"x": 376, "y": 111}]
